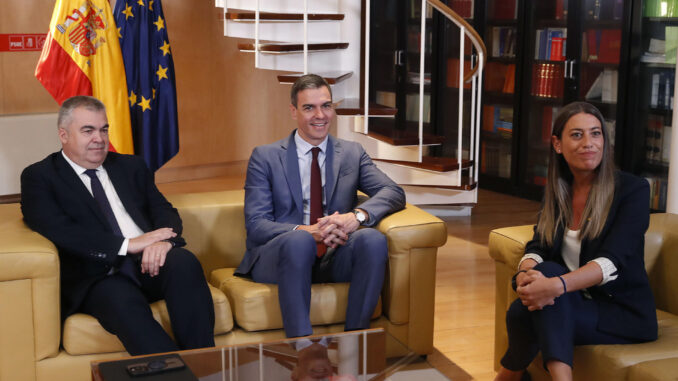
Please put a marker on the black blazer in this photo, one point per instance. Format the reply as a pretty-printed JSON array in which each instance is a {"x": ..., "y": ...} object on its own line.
[
  {"x": 56, "y": 204},
  {"x": 625, "y": 305}
]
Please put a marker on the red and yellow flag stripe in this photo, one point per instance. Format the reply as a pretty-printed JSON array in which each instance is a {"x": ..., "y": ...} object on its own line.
[{"x": 82, "y": 57}]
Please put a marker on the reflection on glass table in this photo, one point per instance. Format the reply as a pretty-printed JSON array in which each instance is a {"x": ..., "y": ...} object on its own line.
[{"x": 346, "y": 356}]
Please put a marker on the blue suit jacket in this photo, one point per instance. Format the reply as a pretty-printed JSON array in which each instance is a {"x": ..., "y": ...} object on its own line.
[
  {"x": 273, "y": 198},
  {"x": 56, "y": 204},
  {"x": 625, "y": 305}
]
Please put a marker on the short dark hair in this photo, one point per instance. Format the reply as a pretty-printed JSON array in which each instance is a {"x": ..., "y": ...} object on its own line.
[
  {"x": 308, "y": 81},
  {"x": 70, "y": 104}
]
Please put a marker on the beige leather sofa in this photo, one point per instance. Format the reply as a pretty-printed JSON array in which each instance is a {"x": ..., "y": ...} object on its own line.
[
  {"x": 33, "y": 345},
  {"x": 657, "y": 360}
]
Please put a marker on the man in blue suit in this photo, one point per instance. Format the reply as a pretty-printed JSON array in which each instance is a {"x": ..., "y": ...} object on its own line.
[
  {"x": 302, "y": 216},
  {"x": 119, "y": 240}
]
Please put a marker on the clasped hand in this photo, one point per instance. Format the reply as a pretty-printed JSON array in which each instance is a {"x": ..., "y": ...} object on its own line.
[
  {"x": 333, "y": 230},
  {"x": 153, "y": 249},
  {"x": 537, "y": 291}
]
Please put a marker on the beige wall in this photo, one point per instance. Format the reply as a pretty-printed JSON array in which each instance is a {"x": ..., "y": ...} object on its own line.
[{"x": 226, "y": 107}]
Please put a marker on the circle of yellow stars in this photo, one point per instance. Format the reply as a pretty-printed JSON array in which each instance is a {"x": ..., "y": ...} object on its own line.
[{"x": 144, "y": 103}]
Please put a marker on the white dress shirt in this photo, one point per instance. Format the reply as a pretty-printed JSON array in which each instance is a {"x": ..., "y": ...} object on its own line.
[
  {"x": 305, "y": 158},
  {"x": 127, "y": 225},
  {"x": 571, "y": 250}
]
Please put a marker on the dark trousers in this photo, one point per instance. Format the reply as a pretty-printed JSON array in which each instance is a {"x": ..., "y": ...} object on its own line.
[
  {"x": 123, "y": 308},
  {"x": 555, "y": 330},
  {"x": 289, "y": 260}
]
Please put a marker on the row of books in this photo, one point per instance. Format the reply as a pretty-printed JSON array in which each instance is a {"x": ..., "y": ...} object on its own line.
[
  {"x": 561, "y": 9},
  {"x": 464, "y": 8},
  {"x": 547, "y": 80},
  {"x": 601, "y": 45},
  {"x": 550, "y": 44},
  {"x": 500, "y": 77},
  {"x": 498, "y": 120},
  {"x": 453, "y": 72},
  {"x": 504, "y": 42},
  {"x": 657, "y": 141},
  {"x": 604, "y": 87},
  {"x": 604, "y": 9},
  {"x": 663, "y": 51},
  {"x": 660, "y": 8},
  {"x": 658, "y": 188},
  {"x": 504, "y": 10},
  {"x": 661, "y": 91},
  {"x": 495, "y": 158}
]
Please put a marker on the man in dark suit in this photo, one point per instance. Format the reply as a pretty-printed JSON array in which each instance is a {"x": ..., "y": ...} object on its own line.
[
  {"x": 302, "y": 216},
  {"x": 119, "y": 239}
]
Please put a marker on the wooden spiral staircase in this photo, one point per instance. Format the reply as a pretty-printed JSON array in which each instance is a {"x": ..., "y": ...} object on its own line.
[{"x": 332, "y": 38}]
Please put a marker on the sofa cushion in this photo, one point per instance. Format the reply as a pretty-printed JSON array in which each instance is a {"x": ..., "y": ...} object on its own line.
[
  {"x": 657, "y": 370},
  {"x": 612, "y": 362},
  {"x": 256, "y": 306},
  {"x": 84, "y": 335}
]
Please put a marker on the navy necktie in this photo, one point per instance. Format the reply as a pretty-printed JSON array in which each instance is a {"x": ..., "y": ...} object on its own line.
[
  {"x": 316, "y": 196},
  {"x": 127, "y": 267}
]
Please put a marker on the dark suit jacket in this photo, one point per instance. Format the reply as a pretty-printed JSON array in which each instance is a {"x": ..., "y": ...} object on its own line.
[
  {"x": 56, "y": 204},
  {"x": 273, "y": 199},
  {"x": 625, "y": 305}
]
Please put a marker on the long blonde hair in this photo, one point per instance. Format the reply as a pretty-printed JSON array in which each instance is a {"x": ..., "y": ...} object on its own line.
[{"x": 557, "y": 205}]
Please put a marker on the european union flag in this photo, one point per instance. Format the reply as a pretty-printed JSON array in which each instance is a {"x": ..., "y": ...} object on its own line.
[{"x": 150, "y": 79}]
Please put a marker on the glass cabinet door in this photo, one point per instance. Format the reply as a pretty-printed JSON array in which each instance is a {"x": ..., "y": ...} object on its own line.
[
  {"x": 600, "y": 45},
  {"x": 498, "y": 102},
  {"x": 651, "y": 113},
  {"x": 547, "y": 43}
]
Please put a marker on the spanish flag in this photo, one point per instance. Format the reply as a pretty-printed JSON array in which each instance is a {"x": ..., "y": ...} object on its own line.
[{"x": 81, "y": 56}]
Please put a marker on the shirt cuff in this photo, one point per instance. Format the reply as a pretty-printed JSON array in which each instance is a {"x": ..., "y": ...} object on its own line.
[
  {"x": 609, "y": 269},
  {"x": 123, "y": 248},
  {"x": 535, "y": 257},
  {"x": 296, "y": 227}
]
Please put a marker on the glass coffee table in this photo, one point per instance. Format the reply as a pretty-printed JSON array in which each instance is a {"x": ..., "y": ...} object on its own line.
[{"x": 346, "y": 356}]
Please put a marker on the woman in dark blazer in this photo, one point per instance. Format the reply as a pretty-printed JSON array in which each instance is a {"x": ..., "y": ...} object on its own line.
[{"x": 582, "y": 279}]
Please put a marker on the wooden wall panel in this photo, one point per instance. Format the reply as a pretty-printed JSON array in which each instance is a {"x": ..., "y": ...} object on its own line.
[
  {"x": 226, "y": 107},
  {"x": 20, "y": 92}
]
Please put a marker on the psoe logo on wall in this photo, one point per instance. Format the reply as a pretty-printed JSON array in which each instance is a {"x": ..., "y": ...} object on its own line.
[{"x": 82, "y": 26}]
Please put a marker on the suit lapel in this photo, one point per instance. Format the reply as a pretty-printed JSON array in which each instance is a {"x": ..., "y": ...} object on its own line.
[
  {"x": 73, "y": 181},
  {"x": 332, "y": 165},
  {"x": 290, "y": 164}
]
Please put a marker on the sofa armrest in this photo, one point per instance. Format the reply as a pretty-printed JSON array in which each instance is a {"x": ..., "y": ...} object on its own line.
[
  {"x": 413, "y": 237},
  {"x": 506, "y": 246},
  {"x": 30, "y": 324}
]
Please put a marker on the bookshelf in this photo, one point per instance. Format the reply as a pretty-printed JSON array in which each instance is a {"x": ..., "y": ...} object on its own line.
[
  {"x": 653, "y": 64},
  {"x": 566, "y": 50}
]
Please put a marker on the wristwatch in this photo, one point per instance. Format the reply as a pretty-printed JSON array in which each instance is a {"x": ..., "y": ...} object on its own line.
[{"x": 360, "y": 216}]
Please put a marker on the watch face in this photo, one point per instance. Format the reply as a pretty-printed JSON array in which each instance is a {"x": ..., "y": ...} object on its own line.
[{"x": 360, "y": 216}]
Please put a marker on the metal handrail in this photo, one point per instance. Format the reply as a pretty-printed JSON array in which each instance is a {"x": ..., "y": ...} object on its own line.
[{"x": 470, "y": 32}]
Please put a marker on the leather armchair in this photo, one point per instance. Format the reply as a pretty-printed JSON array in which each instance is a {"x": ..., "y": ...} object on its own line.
[
  {"x": 34, "y": 346},
  {"x": 653, "y": 360}
]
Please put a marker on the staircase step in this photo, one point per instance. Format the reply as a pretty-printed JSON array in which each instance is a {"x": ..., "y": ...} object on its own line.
[
  {"x": 249, "y": 16},
  {"x": 332, "y": 77},
  {"x": 431, "y": 163},
  {"x": 291, "y": 47},
  {"x": 407, "y": 137},
  {"x": 466, "y": 185},
  {"x": 353, "y": 106}
]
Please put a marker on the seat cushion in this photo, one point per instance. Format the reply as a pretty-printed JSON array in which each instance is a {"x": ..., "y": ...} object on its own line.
[
  {"x": 84, "y": 335},
  {"x": 657, "y": 370},
  {"x": 256, "y": 306},
  {"x": 613, "y": 362}
]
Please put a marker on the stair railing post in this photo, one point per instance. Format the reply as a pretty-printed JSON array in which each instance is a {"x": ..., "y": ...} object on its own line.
[
  {"x": 305, "y": 36},
  {"x": 422, "y": 61},
  {"x": 366, "y": 74},
  {"x": 479, "y": 73},
  {"x": 256, "y": 36},
  {"x": 474, "y": 88},
  {"x": 460, "y": 145}
]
